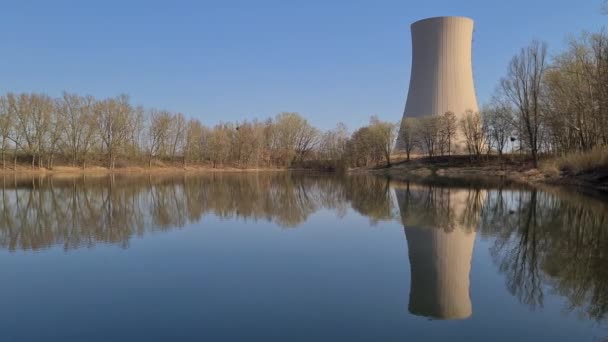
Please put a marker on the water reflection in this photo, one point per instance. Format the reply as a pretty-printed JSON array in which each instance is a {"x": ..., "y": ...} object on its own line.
[
  {"x": 551, "y": 240},
  {"x": 440, "y": 228},
  {"x": 541, "y": 241},
  {"x": 39, "y": 212}
]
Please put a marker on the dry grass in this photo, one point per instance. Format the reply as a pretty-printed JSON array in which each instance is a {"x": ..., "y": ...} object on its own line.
[
  {"x": 578, "y": 162},
  {"x": 156, "y": 168}
]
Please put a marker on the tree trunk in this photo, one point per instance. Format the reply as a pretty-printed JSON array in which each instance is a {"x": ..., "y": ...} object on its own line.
[{"x": 534, "y": 158}]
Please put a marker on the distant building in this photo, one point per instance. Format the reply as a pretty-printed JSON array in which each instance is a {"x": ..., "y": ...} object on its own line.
[{"x": 441, "y": 78}]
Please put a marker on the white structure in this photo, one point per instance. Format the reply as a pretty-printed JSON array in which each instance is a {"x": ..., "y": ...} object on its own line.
[{"x": 441, "y": 79}]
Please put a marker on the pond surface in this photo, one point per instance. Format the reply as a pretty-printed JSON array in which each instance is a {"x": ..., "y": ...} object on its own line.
[{"x": 292, "y": 257}]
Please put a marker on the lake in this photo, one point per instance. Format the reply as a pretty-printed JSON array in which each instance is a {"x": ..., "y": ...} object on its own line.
[{"x": 298, "y": 257}]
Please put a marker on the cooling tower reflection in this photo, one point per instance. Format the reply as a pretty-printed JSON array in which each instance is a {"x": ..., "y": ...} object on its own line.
[{"x": 439, "y": 225}]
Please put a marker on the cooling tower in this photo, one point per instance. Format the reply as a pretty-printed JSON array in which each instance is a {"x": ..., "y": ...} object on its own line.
[{"x": 441, "y": 78}]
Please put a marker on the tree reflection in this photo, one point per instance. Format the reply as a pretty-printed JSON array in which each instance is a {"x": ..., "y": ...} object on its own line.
[
  {"x": 550, "y": 241},
  {"x": 38, "y": 212}
]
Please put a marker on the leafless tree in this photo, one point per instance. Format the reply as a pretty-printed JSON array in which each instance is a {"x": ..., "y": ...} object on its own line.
[
  {"x": 428, "y": 134},
  {"x": 293, "y": 137},
  {"x": 384, "y": 135},
  {"x": 449, "y": 128},
  {"x": 78, "y": 124},
  {"x": 6, "y": 122},
  {"x": 219, "y": 144},
  {"x": 178, "y": 129},
  {"x": 498, "y": 126},
  {"x": 158, "y": 133},
  {"x": 523, "y": 87},
  {"x": 332, "y": 145},
  {"x": 33, "y": 114},
  {"x": 473, "y": 132},
  {"x": 114, "y": 121},
  {"x": 406, "y": 142}
]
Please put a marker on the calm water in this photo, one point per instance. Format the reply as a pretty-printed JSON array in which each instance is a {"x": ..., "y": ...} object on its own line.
[{"x": 286, "y": 257}]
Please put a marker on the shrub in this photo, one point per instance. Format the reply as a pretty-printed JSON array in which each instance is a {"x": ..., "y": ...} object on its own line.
[{"x": 581, "y": 162}]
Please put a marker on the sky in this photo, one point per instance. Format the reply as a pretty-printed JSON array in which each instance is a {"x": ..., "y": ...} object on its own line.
[{"x": 331, "y": 61}]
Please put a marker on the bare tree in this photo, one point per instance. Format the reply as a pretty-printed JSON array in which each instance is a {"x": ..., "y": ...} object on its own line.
[
  {"x": 194, "y": 132},
  {"x": 449, "y": 128},
  {"x": 158, "y": 133},
  {"x": 114, "y": 121},
  {"x": 498, "y": 126},
  {"x": 78, "y": 124},
  {"x": 472, "y": 129},
  {"x": 428, "y": 134},
  {"x": 332, "y": 145},
  {"x": 55, "y": 132},
  {"x": 219, "y": 144},
  {"x": 523, "y": 87},
  {"x": 406, "y": 142},
  {"x": 360, "y": 147},
  {"x": 137, "y": 128},
  {"x": 384, "y": 135},
  {"x": 292, "y": 137},
  {"x": 178, "y": 129},
  {"x": 6, "y": 121},
  {"x": 32, "y": 113}
]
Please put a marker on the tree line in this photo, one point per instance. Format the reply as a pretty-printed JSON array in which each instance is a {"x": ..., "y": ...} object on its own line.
[{"x": 81, "y": 130}]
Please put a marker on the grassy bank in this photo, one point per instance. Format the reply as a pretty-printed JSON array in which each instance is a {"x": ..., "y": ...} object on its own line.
[{"x": 588, "y": 170}]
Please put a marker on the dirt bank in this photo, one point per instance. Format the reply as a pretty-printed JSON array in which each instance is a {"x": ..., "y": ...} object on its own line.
[
  {"x": 511, "y": 169},
  {"x": 130, "y": 169}
]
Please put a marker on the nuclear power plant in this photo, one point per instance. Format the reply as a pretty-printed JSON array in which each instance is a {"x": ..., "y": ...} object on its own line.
[{"x": 441, "y": 78}]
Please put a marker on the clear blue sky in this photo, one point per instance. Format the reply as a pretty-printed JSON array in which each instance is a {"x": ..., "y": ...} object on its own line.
[{"x": 231, "y": 60}]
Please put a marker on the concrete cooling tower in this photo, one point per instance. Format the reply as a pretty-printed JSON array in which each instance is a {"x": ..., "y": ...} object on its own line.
[{"x": 441, "y": 78}]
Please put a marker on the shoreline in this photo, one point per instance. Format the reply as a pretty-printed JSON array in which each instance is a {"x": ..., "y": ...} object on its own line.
[
  {"x": 420, "y": 169},
  {"x": 519, "y": 172},
  {"x": 68, "y": 170}
]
